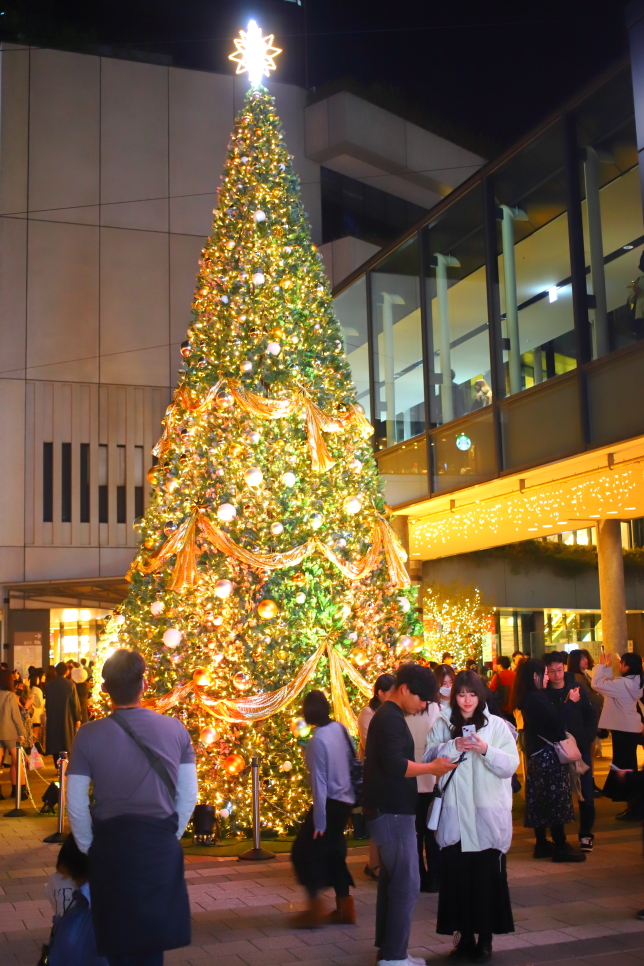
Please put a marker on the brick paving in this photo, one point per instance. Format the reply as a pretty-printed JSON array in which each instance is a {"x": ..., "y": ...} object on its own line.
[{"x": 584, "y": 913}]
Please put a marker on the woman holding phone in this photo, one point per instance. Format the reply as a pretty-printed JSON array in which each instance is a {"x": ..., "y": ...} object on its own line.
[
  {"x": 620, "y": 714},
  {"x": 475, "y": 824}
]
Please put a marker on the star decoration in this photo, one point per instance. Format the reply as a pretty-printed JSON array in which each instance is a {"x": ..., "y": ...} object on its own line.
[{"x": 254, "y": 54}]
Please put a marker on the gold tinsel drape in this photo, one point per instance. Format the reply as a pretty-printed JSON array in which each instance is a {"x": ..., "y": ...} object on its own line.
[{"x": 256, "y": 707}]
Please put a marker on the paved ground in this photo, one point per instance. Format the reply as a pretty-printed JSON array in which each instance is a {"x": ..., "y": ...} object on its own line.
[{"x": 583, "y": 912}]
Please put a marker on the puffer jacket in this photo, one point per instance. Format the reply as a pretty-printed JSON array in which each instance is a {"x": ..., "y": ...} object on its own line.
[
  {"x": 620, "y": 699},
  {"x": 477, "y": 805}
]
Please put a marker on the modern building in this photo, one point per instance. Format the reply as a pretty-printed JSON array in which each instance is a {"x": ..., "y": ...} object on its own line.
[
  {"x": 498, "y": 345},
  {"x": 108, "y": 177}
]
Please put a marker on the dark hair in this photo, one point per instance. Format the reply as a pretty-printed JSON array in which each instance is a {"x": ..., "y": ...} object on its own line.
[
  {"x": 514, "y": 653},
  {"x": 446, "y": 654},
  {"x": 555, "y": 657},
  {"x": 445, "y": 671},
  {"x": 524, "y": 681},
  {"x": 123, "y": 676},
  {"x": 61, "y": 669},
  {"x": 574, "y": 660},
  {"x": 7, "y": 680},
  {"x": 384, "y": 682},
  {"x": 421, "y": 681},
  {"x": 467, "y": 681},
  {"x": 50, "y": 673},
  {"x": 72, "y": 861},
  {"x": 634, "y": 664},
  {"x": 34, "y": 679},
  {"x": 471, "y": 665},
  {"x": 316, "y": 708},
  {"x": 504, "y": 661}
]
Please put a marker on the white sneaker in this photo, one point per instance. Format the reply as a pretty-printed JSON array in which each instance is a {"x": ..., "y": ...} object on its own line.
[
  {"x": 415, "y": 961},
  {"x": 393, "y": 962}
]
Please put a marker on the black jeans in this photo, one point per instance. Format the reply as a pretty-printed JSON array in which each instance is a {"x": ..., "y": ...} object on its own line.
[
  {"x": 428, "y": 850},
  {"x": 587, "y": 807},
  {"x": 322, "y": 862},
  {"x": 154, "y": 959}
]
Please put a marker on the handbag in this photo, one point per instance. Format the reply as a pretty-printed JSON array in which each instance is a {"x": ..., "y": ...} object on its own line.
[
  {"x": 436, "y": 808},
  {"x": 566, "y": 750},
  {"x": 356, "y": 770}
]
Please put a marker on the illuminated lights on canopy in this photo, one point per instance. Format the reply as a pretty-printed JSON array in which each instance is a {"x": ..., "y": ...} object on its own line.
[{"x": 255, "y": 55}]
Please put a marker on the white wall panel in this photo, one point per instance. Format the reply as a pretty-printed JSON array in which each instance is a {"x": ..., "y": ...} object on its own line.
[
  {"x": 62, "y": 307},
  {"x": 64, "y": 129},
  {"x": 134, "y": 131},
  {"x": 201, "y": 118},
  {"x": 13, "y": 295},
  {"x": 185, "y": 252},
  {"x": 12, "y": 448},
  {"x": 14, "y": 128}
]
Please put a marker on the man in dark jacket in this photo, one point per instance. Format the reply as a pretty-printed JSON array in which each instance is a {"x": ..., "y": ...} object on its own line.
[
  {"x": 63, "y": 712},
  {"x": 581, "y": 722}
]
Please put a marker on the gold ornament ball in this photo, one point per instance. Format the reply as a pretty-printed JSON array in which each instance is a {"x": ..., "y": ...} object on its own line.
[
  {"x": 201, "y": 677},
  {"x": 208, "y": 736},
  {"x": 152, "y": 475},
  {"x": 224, "y": 400},
  {"x": 417, "y": 643},
  {"x": 267, "y": 609},
  {"x": 286, "y": 766},
  {"x": 358, "y": 656},
  {"x": 242, "y": 681},
  {"x": 149, "y": 543},
  {"x": 234, "y": 764},
  {"x": 282, "y": 655}
]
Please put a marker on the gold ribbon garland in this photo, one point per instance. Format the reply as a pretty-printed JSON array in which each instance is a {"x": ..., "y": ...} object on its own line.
[
  {"x": 316, "y": 419},
  {"x": 257, "y": 707},
  {"x": 185, "y": 574}
]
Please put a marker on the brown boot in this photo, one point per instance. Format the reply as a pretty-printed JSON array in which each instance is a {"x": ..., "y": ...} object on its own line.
[
  {"x": 311, "y": 918},
  {"x": 344, "y": 914}
]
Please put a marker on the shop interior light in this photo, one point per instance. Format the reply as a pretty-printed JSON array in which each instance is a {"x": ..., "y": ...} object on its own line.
[{"x": 553, "y": 293}]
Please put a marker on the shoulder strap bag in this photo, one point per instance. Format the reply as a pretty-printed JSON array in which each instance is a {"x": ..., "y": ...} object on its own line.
[
  {"x": 356, "y": 769},
  {"x": 156, "y": 764},
  {"x": 566, "y": 750},
  {"x": 434, "y": 815}
]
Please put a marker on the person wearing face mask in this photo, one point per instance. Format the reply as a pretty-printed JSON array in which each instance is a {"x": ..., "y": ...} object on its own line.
[
  {"x": 621, "y": 716},
  {"x": 548, "y": 796},
  {"x": 474, "y": 829},
  {"x": 445, "y": 677}
]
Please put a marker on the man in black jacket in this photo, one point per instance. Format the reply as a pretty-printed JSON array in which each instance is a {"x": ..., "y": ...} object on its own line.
[
  {"x": 390, "y": 794},
  {"x": 581, "y": 722}
]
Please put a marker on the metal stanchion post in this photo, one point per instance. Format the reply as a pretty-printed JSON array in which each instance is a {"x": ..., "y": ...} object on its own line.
[
  {"x": 60, "y": 836},
  {"x": 257, "y": 853},
  {"x": 17, "y": 812}
]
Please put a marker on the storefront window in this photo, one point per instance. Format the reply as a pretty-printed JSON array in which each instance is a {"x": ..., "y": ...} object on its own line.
[
  {"x": 457, "y": 310},
  {"x": 534, "y": 264},
  {"x": 351, "y": 311},
  {"x": 398, "y": 344},
  {"x": 612, "y": 217}
]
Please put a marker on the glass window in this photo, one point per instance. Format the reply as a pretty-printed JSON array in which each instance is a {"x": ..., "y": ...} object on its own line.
[
  {"x": 351, "y": 311},
  {"x": 534, "y": 264},
  {"x": 464, "y": 454},
  {"x": 612, "y": 216},
  {"x": 457, "y": 311},
  {"x": 398, "y": 343},
  {"x": 404, "y": 471}
]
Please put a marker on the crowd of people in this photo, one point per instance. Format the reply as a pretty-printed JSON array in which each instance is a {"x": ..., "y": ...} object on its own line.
[
  {"x": 430, "y": 784},
  {"x": 441, "y": 749}
]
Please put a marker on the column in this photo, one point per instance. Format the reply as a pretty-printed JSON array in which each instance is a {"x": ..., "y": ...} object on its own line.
[
  {"x": 388, "y": 302},
  {"x": 612, "y": 594}
]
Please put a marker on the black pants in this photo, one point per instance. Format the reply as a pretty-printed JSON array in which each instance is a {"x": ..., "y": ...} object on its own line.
[
  {"x": 624, "y": 756},
  {"x": 428, "y": 850},
  {"x": 322, "y": 862}
]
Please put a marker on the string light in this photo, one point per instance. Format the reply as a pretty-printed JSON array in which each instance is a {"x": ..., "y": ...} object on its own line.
[{"x": 455, "y": 621}]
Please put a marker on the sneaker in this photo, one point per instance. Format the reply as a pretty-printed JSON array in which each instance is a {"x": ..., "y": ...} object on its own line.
[
  {"x": 373, "y": 874},
  {"x": 415, "y": 961},
  {"x": 394, "y": 962},
  {"x": 586, "y": 843},
  {"x": 544, "y": 850},
  {"x": 568, "y": 854}
]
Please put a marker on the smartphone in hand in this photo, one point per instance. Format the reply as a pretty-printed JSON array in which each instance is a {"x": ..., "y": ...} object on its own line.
[{"x": 469, "y": 731}]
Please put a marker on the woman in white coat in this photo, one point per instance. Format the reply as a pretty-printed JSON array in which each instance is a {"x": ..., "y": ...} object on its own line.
[
  {"x": 621, "y": 716},
  {"x": 475, "y": 826}
]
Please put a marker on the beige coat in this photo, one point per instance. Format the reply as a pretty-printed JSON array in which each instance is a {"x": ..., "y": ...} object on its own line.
[{"x": 10, "y": 719}]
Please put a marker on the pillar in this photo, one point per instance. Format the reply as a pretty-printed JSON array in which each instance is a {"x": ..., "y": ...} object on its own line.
[{"x": 612, "y": 595}]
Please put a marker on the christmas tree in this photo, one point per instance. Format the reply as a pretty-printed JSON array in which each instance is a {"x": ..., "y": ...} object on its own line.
[
  {"x": 455, "y": 620},
  {"x": 267, "y": 564}
]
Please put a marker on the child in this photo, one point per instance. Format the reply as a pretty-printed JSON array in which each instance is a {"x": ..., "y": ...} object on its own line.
[{"x": 71, "y": 874}]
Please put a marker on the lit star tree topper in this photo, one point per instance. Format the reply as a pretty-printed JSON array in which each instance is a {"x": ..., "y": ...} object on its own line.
[{"x": 255, "y": 54}]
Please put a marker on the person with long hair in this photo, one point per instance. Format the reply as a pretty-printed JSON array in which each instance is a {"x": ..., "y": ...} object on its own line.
[
  {"x": 445, "y": 676},
  {"x": 474, "y": 829},
  {"x": 548, "y": 796},
  {"x": 383, "y": 686},
  {"x": 11, "y": 726},
  {"x": 319, "y": 854},
  {"x": 620, "y": 714},
  {"x": 420, "y": 725},
  {"x": 581, "y": 664}
]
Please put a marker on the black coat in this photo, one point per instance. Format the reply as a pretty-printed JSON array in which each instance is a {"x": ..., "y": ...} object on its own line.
[
  {"x": 580, "y": 716},
  {"x": 63, "y": 710}
]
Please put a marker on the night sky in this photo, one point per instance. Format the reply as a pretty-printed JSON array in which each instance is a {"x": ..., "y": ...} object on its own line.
[{"x": 487, "y": 71}]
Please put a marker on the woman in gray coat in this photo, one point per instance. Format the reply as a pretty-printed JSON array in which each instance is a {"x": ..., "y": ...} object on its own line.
[{"x": 11, "y": 727}]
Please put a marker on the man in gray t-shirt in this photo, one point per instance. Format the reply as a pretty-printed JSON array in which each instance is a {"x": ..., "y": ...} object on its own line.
[{"x": 142, "y": 768}]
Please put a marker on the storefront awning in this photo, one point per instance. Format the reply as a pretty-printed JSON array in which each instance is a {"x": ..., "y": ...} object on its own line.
[{"x": 104, "y": 592}]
